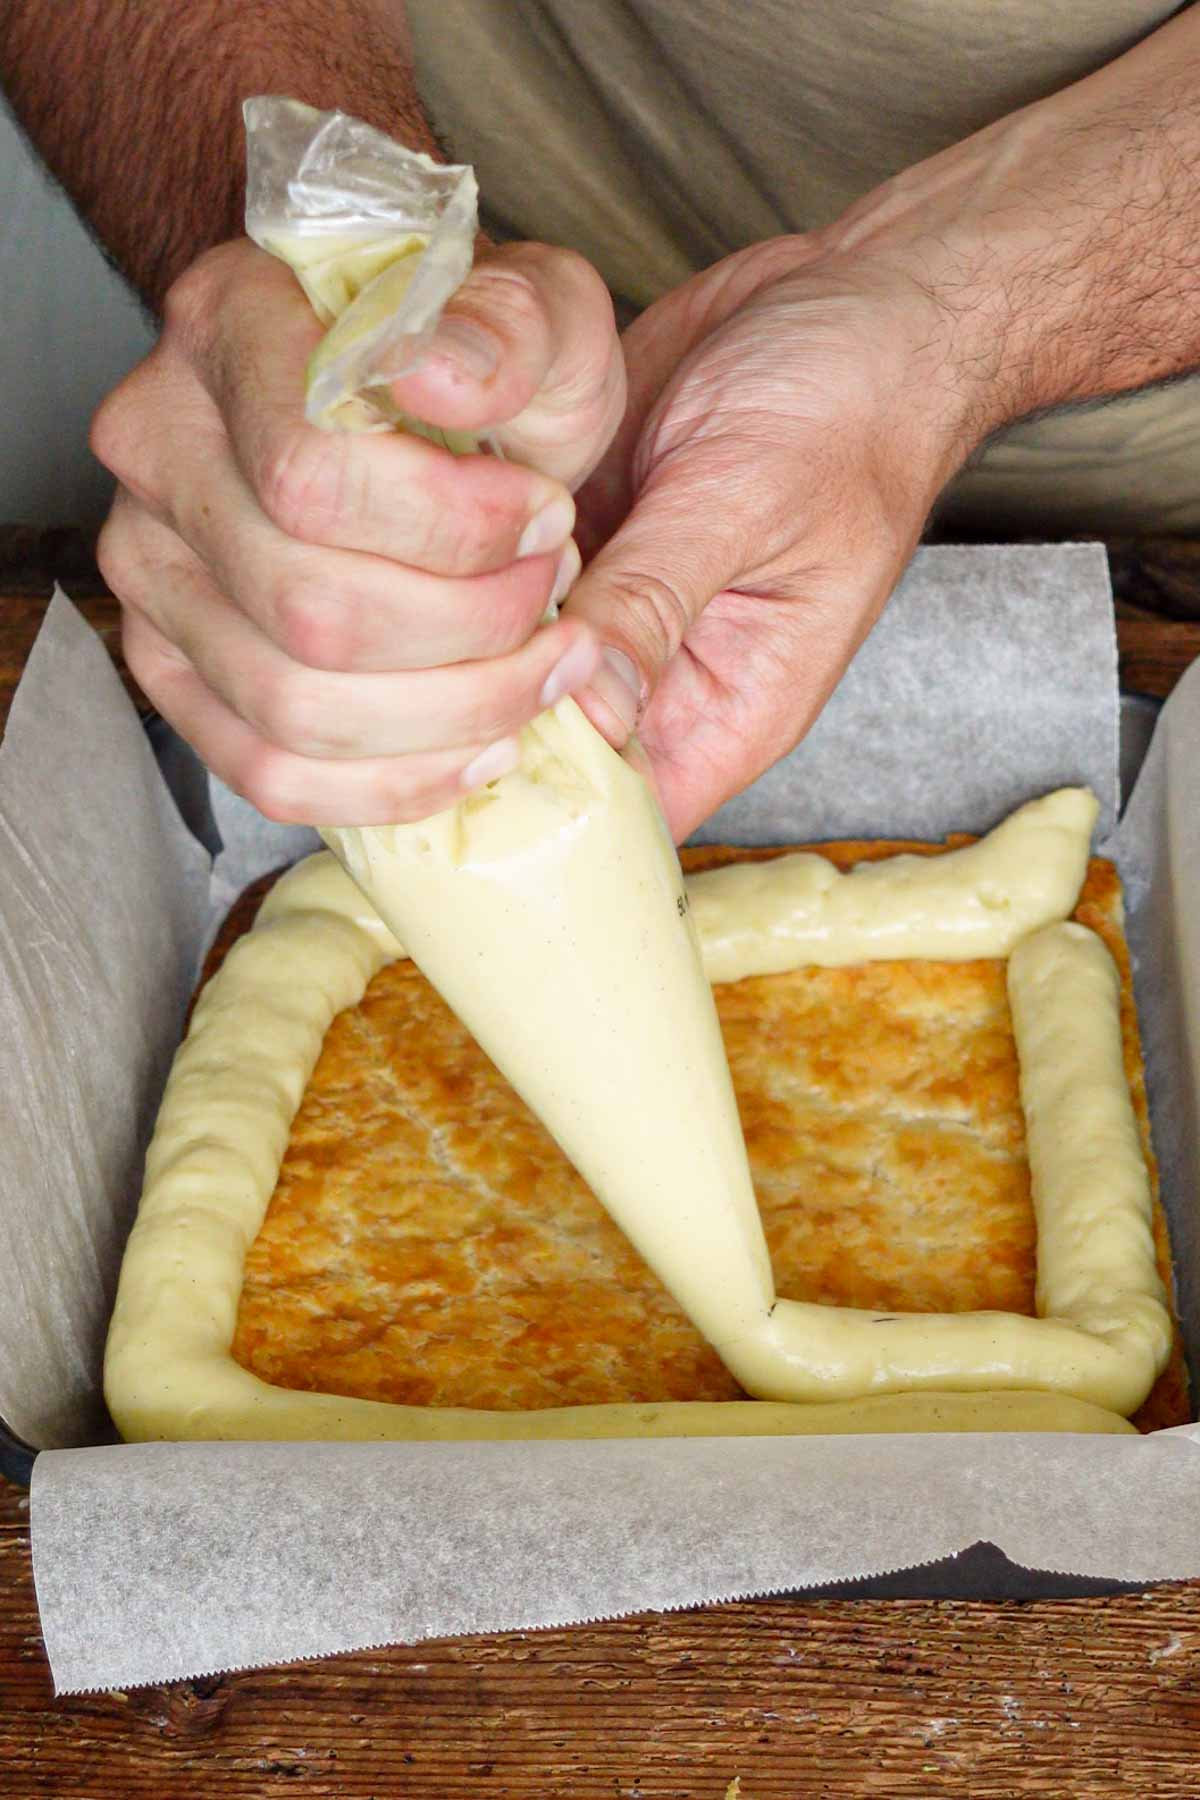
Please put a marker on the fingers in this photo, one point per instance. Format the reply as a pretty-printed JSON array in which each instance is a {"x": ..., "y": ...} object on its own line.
[
  {"x": 646, "y": 589},
  {"x": 297, "y": 789},
  {"x": 350, "y": 621},
  {"x": 526, "y": 350},
  {"x": 332, "y": 716},
  {"x": 728, "y": 606},
  {"x": 335, "y": 609},
  {"x": 395, "y": 495},
  {"x": 742, "y": 693},
  {"x": 231, "y": 361}
]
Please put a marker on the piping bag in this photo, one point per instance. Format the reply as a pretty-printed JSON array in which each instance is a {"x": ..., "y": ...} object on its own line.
[{"x": 548, "y": 908}]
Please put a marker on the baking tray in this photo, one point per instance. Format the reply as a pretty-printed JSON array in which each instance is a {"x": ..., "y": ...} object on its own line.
[{"x": 981, "y": 1569}]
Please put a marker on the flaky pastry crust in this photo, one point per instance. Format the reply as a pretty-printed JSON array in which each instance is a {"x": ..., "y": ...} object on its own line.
[{"x": 428, "y": 1244}]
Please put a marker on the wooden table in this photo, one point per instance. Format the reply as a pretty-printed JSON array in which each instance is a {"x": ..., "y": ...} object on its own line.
[{"x": 1063, "y": 1699}]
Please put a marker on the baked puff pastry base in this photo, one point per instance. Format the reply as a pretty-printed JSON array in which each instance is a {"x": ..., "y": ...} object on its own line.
[{"x": 431, "y": 1267}]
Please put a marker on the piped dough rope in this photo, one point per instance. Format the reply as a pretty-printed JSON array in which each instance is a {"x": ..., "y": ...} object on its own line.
[{"x": 257, "y": 1031}]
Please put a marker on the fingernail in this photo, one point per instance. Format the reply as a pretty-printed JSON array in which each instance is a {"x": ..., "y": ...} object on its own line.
[
  {"x": 572, "y": 670},
  {"x": 472, "y": 351},
  {"x": 500, "y": 758},
  {"x": 619, "y": 685},
  {"x": 569, "y": 565},
  {"x": 548, "y": 529}
]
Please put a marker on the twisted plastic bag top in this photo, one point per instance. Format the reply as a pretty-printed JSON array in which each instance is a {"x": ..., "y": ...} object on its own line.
[{"x": 378, "y": 236}]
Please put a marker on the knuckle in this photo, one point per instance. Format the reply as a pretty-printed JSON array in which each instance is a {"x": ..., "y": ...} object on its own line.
[
  {"x": 139, "y": 655},
  {"x": 115, "y": 555},
  {"x": 511, "y": 294},
  {"x": 183, "y": 305},
  {"x": 506, "y": 620},
  {"x": 105, "y": 437},
  {"x": 115, "y": 434},
  {"x": 577, "y": 309},
  {"x": 302, "y": 488},
  {"x": 653, "y": 615},
  {"x": 582, "y": 281},
  {"x": 572, "y": 265},
  {"x": 287, "y": 710},
  {"x": 312, "y": 626},
  {"x": 485, "y": 542},
  {"x": 154, "y": 663},
  {"x": 469, "y": 524},
  {"x": 191, "y": 300},
  {"x": 558, "y": 268},
  {"x": 264, "y": 776},
  {"x": 443, "y": 544},
  {"x": 436, "y": 546},
  {"x": 195, "y": 299}
]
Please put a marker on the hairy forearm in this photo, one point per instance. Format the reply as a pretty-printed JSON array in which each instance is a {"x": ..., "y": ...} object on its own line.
[
  {"x": 136, "y": 104},
  {"x": 1061, "y": 246}
]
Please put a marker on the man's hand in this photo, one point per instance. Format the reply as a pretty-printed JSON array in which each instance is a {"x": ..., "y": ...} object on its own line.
[
  {"x": 794, "y": 414},
  {"x": 796, "y": 410},
  {"x": 345, "y": 626},
  {"x": 791, "y": 422}
]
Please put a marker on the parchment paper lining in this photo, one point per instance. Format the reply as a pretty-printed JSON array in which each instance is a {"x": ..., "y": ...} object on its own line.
[{"x": 990, "y": 678}]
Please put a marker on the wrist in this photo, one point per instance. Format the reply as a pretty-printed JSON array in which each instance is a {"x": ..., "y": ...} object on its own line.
[
  {"x": 902, "y": 371},
  {"x": 954, "y": 253},
  {"x": 925, "y": 378},
  {"x": 1057, "y": 246}
]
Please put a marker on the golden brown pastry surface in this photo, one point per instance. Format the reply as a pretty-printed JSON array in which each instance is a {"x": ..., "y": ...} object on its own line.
[{"x": 427, "y": 1243}]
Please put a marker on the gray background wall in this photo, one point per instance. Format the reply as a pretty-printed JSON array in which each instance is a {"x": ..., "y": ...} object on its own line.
[{"x": 69, "y": 329}]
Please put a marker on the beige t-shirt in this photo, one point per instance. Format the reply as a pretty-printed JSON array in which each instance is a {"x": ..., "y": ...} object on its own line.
[{"x": 658, "y": 135}]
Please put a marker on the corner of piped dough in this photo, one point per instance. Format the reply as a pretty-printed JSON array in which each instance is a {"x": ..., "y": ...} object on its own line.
[{"x": 319, "y": 883}]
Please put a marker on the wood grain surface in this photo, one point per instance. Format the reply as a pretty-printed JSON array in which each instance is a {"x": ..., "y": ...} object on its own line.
[
  {"x": 1066, "y": 1699},
  {"x": 1061, "y": 1699}
]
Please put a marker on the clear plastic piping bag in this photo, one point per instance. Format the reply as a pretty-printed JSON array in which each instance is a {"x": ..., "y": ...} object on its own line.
[{"x": 548, "y": 908}]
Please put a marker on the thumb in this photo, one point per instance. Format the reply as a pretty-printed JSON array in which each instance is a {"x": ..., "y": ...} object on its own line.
[
  {"x": 648, "y": 587},
  {"x": 527, "y": 350}
]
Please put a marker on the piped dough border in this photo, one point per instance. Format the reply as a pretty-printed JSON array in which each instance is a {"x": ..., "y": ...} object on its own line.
[{"x": 1104, "y": 1329}]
